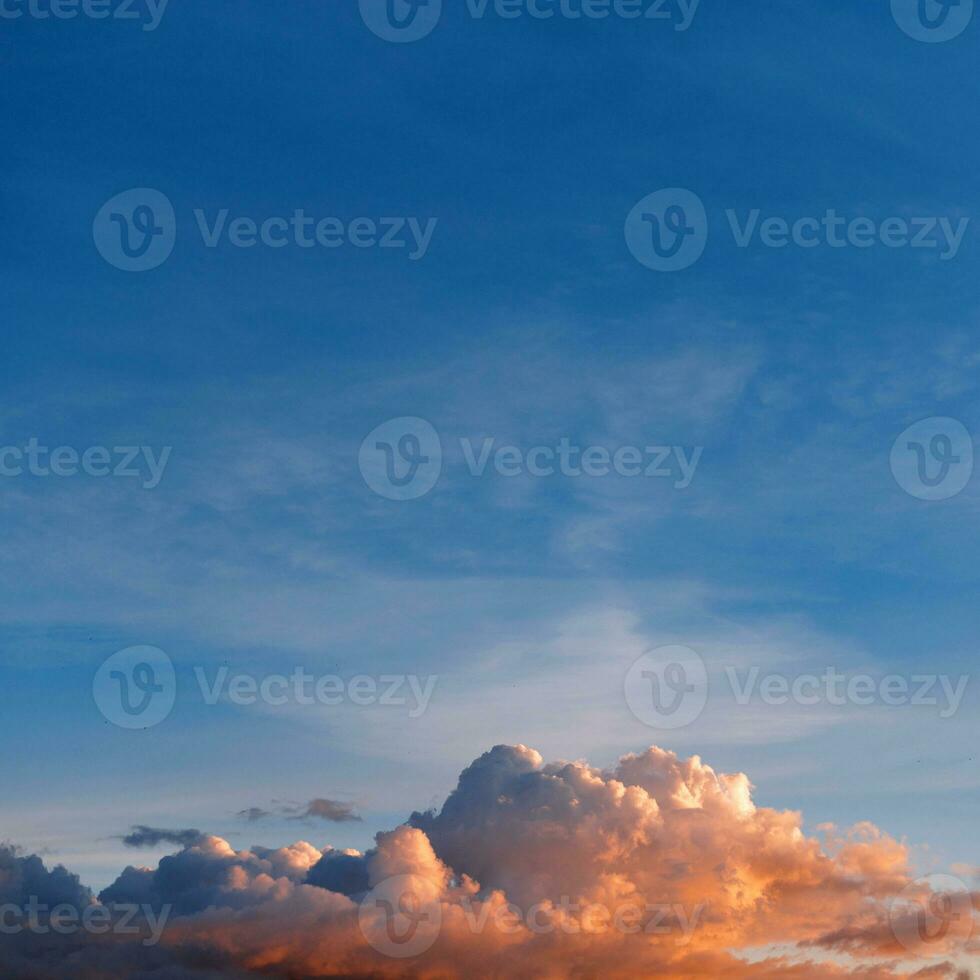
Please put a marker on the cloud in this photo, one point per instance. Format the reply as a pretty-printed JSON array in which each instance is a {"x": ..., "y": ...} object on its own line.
[
  {"x": 254, "y": 814},
  {"x": 142, "y": 836},
  {"x": 212, "y": 873},
  {"x": 658, "y": 865},
  {"x": 25, "y": 876},
  {"x": 331, "y": 811},
  {"x": 344, "y": 872}
]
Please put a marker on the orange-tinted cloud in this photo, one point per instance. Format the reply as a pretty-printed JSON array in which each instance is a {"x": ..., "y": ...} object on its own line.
[{"x": 660, "y": 866}]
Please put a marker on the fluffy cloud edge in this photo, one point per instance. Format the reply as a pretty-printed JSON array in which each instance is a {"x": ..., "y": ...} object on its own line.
[{"x": 659, "y": 865}]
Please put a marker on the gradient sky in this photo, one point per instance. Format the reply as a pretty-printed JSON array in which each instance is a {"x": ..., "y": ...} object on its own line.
[{"x": 527, "y": 320}]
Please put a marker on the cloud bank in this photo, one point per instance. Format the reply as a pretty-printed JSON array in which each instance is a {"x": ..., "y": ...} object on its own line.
[{"x": 659, "y": 866}]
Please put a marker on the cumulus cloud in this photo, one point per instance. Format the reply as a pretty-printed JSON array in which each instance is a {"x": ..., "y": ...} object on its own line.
[
  {"x": 211, "y": 873},
  {"x": 25, "y": 876},
  {"x": 657, "y": 866}
]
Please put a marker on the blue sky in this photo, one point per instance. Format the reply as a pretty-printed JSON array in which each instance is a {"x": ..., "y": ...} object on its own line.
[{"x": 527, "y": 320}]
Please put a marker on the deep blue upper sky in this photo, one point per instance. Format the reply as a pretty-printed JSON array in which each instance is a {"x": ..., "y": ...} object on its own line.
[{"x": 527, "y": 320}]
